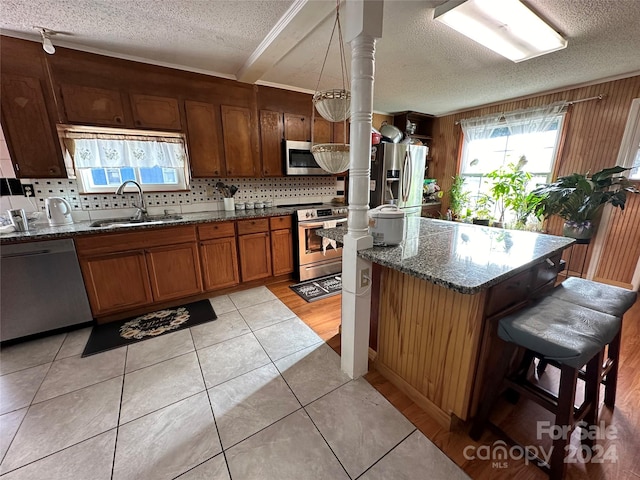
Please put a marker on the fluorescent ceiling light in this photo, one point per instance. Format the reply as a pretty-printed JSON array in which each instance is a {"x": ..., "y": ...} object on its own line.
[{"x": 505, "y": 26}]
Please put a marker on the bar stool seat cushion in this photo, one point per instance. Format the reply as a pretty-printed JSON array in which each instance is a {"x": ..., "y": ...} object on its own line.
[
  {"x": 597, "y": 296},
  {"x": 562, "y": 331}
]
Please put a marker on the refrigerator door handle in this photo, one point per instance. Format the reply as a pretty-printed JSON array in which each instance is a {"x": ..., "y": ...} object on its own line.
[{"x": 407, "y": 175}]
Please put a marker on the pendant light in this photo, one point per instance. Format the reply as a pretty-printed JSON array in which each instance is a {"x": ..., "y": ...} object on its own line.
[{"x": 333, "y": 105}]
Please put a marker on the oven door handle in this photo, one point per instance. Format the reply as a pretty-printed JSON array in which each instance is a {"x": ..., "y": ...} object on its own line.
[{"x": 316, "y": 225}]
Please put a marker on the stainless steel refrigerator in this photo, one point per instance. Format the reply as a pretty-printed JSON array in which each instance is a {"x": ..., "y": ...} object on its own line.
[{"x": 397, "y": 176}]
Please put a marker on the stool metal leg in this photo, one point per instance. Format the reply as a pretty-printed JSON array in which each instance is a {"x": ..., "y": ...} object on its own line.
[{"x": 564, "y": 416}]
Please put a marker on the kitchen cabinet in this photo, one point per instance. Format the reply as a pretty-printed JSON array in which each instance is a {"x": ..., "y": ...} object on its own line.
[
  {"x": 297, "y": 127},
  {"x": 219, "y": 255},
  {"x": 206, "y": 155},
  {"x": 341, "y": 132},
  {"x": 271, "y": 136},
  {"x": 281, "y": 245},
  {"x": 150, "y": 111},
  {"x": 92, "y": 106},
  {"x": 254, "y": 247},
  {"x": 116, "y": 282},
  {"x": 174, "y": 271},
  {"x": 239, "y": 151},
  {"x": 123, "y": 271},
  {"x": 31, "y": 137},
  {"x": 322, "y": 130},
  {"x": 422, "y": 121}
]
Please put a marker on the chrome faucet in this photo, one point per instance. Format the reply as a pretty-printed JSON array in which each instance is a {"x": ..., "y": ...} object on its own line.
[{"x": 141, "y": 213}]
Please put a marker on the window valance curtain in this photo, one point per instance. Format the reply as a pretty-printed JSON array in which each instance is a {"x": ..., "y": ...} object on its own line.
[
  {"x": 531, "y": 120},
  {"x": 102, "y": 149}
]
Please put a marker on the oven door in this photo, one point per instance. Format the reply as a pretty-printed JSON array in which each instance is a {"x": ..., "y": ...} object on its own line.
[{"x": 313, "y": 261}]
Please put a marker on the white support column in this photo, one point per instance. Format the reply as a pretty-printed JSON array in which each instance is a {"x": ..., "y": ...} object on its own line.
[{"x": 364, "y": 26}]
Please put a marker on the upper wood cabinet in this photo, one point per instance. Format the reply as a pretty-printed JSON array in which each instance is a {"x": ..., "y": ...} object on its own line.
[
  {"x": 92, "y": 106},
  {"x": 160, "y": 113},
  {"x": 205, "y": 148},
  {"x": 339, "y": 132},
  {"x": 322, "y": 130},
  {"x": 297, "y": 127},
  {"x": 239, "y": 151},
  {"x": 271, "y": 136},
  {"x": 31, "y": 137}
]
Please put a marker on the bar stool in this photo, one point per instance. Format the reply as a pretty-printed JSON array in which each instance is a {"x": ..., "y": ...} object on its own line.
[
  {"x": 602, "y": 298},
  {"x": 569, "y": 334}
]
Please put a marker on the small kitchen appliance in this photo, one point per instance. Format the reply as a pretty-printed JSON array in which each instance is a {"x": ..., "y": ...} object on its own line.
[
  {"x": 387, "y": 225},
  {"x": 58, "y": 211}
]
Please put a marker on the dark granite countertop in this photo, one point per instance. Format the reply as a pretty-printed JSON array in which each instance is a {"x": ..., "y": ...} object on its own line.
[
  {"x": 463, "y": 257},
  {"x": 46, "y": 232}
]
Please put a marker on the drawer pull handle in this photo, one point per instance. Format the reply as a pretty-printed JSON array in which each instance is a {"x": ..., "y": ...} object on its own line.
[{"x": 550, "y": 263}]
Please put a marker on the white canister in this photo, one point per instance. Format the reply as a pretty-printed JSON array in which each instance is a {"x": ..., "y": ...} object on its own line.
[
  {"x": 386, "y": 225},
  {"x": 229, "y": 204},
  {"x": 250, "y": 205}
]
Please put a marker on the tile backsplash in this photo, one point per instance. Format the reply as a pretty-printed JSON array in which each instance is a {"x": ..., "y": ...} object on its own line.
[{"x": 202, "y": 196}]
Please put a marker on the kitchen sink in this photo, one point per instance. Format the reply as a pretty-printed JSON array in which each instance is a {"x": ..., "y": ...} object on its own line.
[{"x": 132, "y": 222}]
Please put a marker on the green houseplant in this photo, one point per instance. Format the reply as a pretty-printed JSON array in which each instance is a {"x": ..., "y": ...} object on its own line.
[
  {"x": 509, "y": 191},
  {"x": 458, "y": 198},
  {"x": 578, "y": 199}
]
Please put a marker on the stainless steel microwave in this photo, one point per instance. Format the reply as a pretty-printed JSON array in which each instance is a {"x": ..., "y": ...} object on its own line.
[{"x": 299, "y": 159}]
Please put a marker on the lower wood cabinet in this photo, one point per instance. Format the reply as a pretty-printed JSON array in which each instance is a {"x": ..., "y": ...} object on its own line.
[
  {"x": 281, "y": 245},
  {"x": 117, "y": 281},
  {"x": 123, "y": 271},
  {"x": 219, "y": 255},
  {"x": 254, "y": 245},
  {"x": 174, "y": 271}
]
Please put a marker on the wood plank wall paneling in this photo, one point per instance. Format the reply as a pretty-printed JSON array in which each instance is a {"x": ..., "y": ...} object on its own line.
[
  {"x": 593, "y": 134},
  {"x": 429, "y": 336}
]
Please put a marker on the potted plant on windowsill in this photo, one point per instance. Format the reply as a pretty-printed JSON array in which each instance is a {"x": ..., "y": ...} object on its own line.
[
  {"x": 458, "y": 198},
  {"x": 579, "y": 199},
  {"x": 482, "y": 212}
]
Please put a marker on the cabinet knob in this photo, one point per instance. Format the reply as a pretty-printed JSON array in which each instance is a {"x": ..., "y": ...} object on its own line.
[
  {"x": 118, "y": 120},
  {"x": 137, "y": 122}
]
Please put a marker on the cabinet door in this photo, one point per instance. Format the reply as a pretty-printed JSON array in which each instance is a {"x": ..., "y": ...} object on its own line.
[
  {"x": 219, "y": 263},
  {"x": 255, "y": 256},
  {"x": 88, "y": 105},
  {"x": 322, "y": 131},
  {"x": 116, "y": 282},
  {"x": 282, "y": 251},
  {"x": 339, "y": 135},
  {"x": 271, "y": 131},
  {"x": 174, "y": 271},
  {"x": 32, "y": 140},
  {"x": 150, "y": 111},
  {"x": 296, "y": 127},
  {"x": 205, "y": 149},
  {"x": 239, "y": 152}
]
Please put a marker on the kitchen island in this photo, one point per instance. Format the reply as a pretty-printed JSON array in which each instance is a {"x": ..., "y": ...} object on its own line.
[{"x": 436, "y": 299}]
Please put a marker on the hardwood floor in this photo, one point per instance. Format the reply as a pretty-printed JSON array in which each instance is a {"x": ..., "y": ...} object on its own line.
[{"x": 518, "y": 421}]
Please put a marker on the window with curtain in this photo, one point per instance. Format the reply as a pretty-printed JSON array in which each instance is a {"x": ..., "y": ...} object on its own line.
[
  {"x": 629, "y": 154},
  {"x": 104, "y": 158},
  {"x": 525, "y": 140}
]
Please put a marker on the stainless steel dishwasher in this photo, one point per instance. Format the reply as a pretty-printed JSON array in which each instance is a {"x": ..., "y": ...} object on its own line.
[{"x": 41, "y": 288}]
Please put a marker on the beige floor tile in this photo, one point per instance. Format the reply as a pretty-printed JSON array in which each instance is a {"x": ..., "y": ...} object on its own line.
[
  {"x": 63, "y": 421},
  {"x": 226, "y": 360},
  {"x": 359, "y": 424},
  {"x": 157, "y": 386},
  {"x": 222, "y": 304},
  {"x": 253, "y": 296},
  {"x": 92, "y": 459},
  {"x": 74, "y": 343},
  {"x": 168, "y": 442},
  {"x": 286, "y": 337},
  {"x": 226, "y": 326},
  {"x": 29, "y": 354},
  {"x": 17, "y": 389},
  {"x": 249, "y": 403},
  {"x": 265, "y": 314},
  {"x": 155, "y": 350},
  {"x": 9, "y": 424},
  {"x": 214, "y": 469},
  {"x": 73, "y": 373}
]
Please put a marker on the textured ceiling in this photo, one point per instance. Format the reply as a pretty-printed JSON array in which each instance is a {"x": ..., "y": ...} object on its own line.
[{"x": 421, "y": 64}]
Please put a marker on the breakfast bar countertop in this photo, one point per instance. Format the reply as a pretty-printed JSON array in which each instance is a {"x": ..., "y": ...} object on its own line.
[
  {"x": 45, "y": 232},
  {"x": 463, "y": 257}
]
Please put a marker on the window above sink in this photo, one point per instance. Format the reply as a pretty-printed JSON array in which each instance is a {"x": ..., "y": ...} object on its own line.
[{"x": 104, "y": 158}]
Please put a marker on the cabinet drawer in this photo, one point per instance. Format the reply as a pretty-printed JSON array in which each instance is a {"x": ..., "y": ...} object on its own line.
[
  {"x": 508, "y": 293},
  {"x": 216, "y": 230},
  {"x": 546, "y": 271},
  {"x": 279, "y": 223},
  {"x": 120, "y": 242},
  {"x": 253, "y": 226}
]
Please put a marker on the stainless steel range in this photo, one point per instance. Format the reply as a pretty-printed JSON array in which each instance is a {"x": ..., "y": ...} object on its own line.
[{"x": 313, "y": 258}]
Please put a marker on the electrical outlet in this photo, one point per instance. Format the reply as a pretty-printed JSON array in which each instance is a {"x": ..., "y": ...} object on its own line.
[
  {"x": 210, "y": 191},
  {"x": 27, "y": 188},
  {"x": 364, "y": 277}
]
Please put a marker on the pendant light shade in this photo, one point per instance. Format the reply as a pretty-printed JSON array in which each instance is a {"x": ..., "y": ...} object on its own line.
[
  {"x": 332, "y": 157},
  {"x": 333, "y": 105}
]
